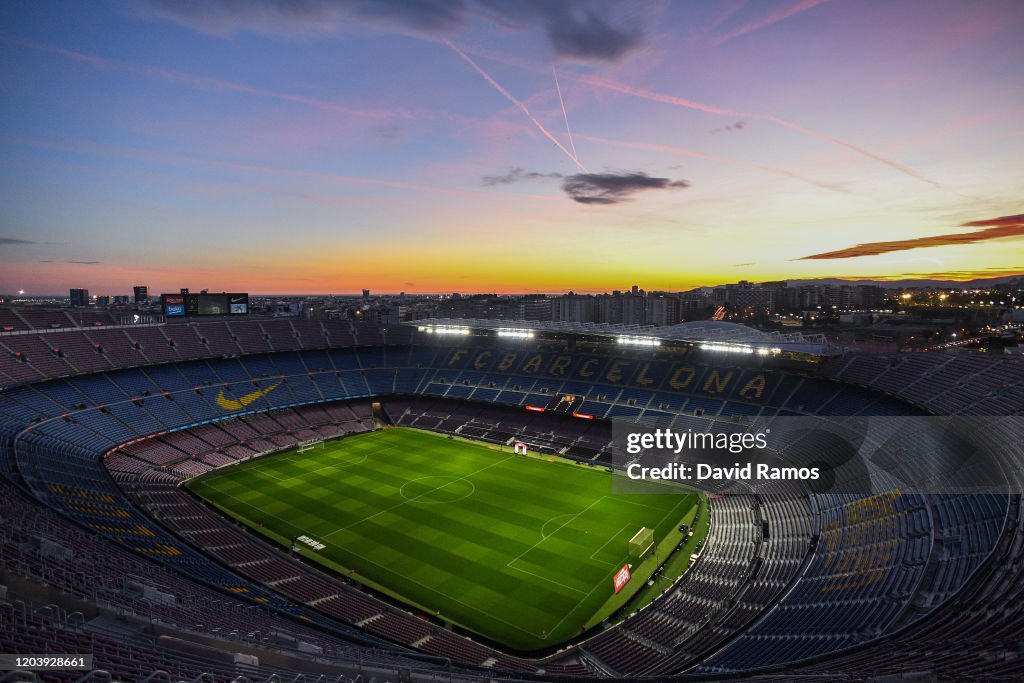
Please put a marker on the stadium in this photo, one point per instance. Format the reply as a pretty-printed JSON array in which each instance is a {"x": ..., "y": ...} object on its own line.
[{"x": 306, "y": 500}]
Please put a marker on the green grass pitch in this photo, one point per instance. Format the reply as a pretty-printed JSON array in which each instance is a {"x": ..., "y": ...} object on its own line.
[{"x": 520, "y": 550}]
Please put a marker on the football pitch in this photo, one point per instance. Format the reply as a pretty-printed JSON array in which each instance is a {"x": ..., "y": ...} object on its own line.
[{"x": 520, "y": 550}]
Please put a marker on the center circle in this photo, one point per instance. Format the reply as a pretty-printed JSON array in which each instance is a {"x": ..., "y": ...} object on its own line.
[{"x": 437, "y": 489}]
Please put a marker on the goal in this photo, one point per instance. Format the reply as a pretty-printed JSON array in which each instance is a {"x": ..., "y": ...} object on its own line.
[
  {"x": 310, "y": 445},
  {"x": 641, "y": 543}
]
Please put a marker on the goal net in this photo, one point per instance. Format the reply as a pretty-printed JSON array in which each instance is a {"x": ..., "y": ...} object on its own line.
[
  {"x": 306, "y": 446},
  {"x": 641, "y": 543}
]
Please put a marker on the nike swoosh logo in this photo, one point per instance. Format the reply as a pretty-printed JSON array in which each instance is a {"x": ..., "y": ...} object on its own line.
[{"x": 237, "y": 404}]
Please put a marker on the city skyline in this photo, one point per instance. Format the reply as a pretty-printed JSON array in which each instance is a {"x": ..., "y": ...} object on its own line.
[
  {"x": 924, "y": 284},
  {"x": 507, "y": 147}
]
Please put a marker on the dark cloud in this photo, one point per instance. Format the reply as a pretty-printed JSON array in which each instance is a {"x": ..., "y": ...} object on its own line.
[
  {"x": 516, "y": 175},
  {"x": 81, "y": 263},
  {"x": 995, "y": 228},
  {"x": 12, "y": 240},
  {"x": 582, "y": 29},
  {"x": 1002, "y": 220},
  {"x": 425, "y": 15},
  {"x": 226, "y": 17},
  {"x": 731, "y": 128},
  {"x": 613, "y": 188},
  {"x": 592, "y": 188}
]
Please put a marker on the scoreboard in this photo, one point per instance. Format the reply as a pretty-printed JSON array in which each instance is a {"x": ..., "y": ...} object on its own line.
[{"x": 198, "y": 305}]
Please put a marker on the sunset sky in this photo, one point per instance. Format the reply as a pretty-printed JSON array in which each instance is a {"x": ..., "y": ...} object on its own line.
[{"x": 506, "y": 145}]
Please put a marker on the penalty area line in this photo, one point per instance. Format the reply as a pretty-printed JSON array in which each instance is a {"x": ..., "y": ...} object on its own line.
[{"x": 544, "y": 578}]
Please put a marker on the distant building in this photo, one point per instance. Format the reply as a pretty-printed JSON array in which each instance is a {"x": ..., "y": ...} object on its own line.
[
  {"x": 535, "y": 307},
  {"x": 871, "y": 296},
  {"x": 574, "y": 308},
  {"x": 633, "y": 307},
  {"x": 79, "y": 297},
  {"x": 366, "y": 294},
  {"x": 744, "y": 295},
  {"x": 609, "y": 308},
  {"x": 391, "y": 315},
  {"x": 103, "y": 301},
  {"x": 141, "y": 293},
  {"x": 122, "y": 300},
  {"x": 662, "y": 310}
]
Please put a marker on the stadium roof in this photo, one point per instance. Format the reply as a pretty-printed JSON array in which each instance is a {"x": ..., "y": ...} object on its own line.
[{"x": 715, "y": 334}]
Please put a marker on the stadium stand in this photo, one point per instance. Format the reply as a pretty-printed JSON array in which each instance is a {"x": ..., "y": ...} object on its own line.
[{"x": 100, "y": 425}]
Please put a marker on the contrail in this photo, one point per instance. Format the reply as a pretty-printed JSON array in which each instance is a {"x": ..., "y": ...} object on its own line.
[
  {"x": 187, "y": 160},
  {"x": 853, "y": 148},
  {"x": 198, "y": 82},
  {"x": 774, "y": 18},
  {"x": 511, "y": 98},
  {"x": 653, "y": 96},
  {"x": 683, "y": 152},
  {"x": 565, "y": 114},
  {"x": 712, "y": 109}
]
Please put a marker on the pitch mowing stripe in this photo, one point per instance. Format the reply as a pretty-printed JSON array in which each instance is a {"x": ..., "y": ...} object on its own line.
[
  {"x": 475, "y": 538},
  {"x": 447, "y": 573},
  {"x": 532, "y": 545}
]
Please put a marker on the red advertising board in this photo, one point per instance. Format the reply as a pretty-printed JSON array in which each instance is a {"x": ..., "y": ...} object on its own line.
[{"x": 621, "y": 577}]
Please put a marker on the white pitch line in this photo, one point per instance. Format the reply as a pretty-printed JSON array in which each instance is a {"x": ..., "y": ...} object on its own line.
[
  {"x": 333, "y": 465},
  {"x": 414, "y": 499},
  {"x": 545, "y": 578},
  {"x": 614, "y": 536},
  {"x": 649, "y": 507},
  {"x": 509, "y": 564},
  {"x": 544, "y": 538},
  {"x": 598, "y": 585},
  {"x": 446, "y": 595},
  {"x": 253, "y": 506},
  {"x": 573, "y": 610}
]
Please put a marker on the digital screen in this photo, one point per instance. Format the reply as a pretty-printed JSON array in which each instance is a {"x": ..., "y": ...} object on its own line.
[
  {"x": 202, "y": 304},
  {"x": 213, "y": 304},
  {"x": 238, "y": 304},
  {"x": 173, "y": 305}
]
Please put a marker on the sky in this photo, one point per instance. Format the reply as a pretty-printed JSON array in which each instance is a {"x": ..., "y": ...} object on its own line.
[{"x": 324, "y": 146}]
